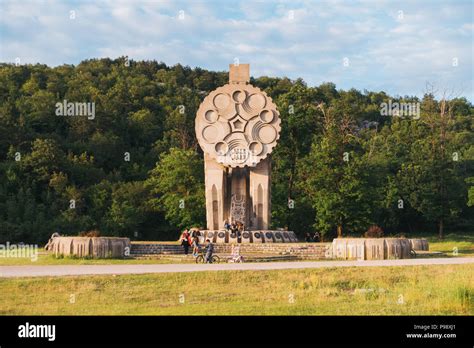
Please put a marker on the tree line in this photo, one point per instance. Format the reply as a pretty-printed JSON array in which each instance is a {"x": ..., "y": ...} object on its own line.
[{"x": 135, "y": 169}]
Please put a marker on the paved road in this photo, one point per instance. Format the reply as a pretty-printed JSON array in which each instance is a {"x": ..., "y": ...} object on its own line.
[{"x": 64, "y": 270}]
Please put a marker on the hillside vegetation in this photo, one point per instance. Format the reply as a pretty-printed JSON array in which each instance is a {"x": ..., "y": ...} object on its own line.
[{"x": 135, "y": 169}]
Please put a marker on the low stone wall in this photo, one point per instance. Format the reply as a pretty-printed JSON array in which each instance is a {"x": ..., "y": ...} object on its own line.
[
  {"x": 376, "y": 248},
  {"x": 152, "y": 248},
  {"x": 419, "y": 244},
  {"x": 95, "y": 247},
  {"x": 306, "y": 251}
]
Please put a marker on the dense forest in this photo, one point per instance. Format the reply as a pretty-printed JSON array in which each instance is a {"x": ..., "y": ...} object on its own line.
[{"x": 135, "y": 168}]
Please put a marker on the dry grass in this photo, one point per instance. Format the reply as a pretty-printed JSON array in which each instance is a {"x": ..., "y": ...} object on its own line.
[
  {"x": 48, "y": 259},
  {"x": 413, "y": 290}
]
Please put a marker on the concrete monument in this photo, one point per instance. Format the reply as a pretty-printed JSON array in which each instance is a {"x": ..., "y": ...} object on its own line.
[{"x": 237, "y": 126}]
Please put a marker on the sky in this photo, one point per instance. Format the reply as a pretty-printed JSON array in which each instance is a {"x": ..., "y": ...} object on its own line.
[{"x": 400, "y": 47}]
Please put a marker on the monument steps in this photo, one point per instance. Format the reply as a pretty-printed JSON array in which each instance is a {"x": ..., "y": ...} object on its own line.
[
  {"x": 224, "y": 257},
  {"x": 304, "y": 251}
]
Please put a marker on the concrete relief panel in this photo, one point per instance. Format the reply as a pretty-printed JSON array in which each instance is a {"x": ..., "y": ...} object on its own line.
[{"x": 238, "y": 125}]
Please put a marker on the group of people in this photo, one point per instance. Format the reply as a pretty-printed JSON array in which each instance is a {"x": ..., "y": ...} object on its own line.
[
  {"x": 234, "y": 227},
  {"x": 316, "y": 238},
  {"x": 191, "y": 238}
]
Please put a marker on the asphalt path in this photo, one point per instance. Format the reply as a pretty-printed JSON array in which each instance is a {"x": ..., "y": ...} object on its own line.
[{"x": 80, "y": 270}]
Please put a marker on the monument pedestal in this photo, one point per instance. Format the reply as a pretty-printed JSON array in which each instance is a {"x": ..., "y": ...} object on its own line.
[{"x": 237, "y": 195}]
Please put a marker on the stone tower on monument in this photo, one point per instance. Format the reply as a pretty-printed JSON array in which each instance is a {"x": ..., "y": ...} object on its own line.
[{"x": 237, "y": 126}]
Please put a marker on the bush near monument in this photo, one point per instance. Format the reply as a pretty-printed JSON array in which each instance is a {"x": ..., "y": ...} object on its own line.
[
  {"x": 92, "y": 233},
  {"x": 374, "y": 231}
]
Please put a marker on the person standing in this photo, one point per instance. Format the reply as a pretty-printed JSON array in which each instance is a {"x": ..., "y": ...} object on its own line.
[
  {"x": 240, "y": 229},
  {"x": 227, "y": 225},
  {"x": 195, "y": 246},
  {"x": 316, "y": 237},
  {"x": 235, "y": 253},
  {"x": 185, "y": 241}
]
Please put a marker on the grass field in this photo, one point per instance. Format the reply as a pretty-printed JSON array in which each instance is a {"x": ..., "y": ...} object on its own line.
[
  {"x": 413, "y": 290},
  {"x": 453, "y": 244}
]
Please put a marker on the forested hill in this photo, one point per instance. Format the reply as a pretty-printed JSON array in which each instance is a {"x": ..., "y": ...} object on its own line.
[{"x": 132, "y": 166}]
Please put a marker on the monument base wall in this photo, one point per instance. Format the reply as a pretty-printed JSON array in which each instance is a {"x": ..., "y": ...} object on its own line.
[{"x": 340, "y": 248}]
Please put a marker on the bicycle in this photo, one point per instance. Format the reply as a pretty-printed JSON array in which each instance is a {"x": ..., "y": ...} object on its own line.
[
  {"x": 236, "y": 259},
  {"x": 201, "y": 258}
]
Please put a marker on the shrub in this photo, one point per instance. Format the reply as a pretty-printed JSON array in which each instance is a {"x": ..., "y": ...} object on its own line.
[
  {"x": 374, "y": 231},
  {"x": 91, "y": 233}
]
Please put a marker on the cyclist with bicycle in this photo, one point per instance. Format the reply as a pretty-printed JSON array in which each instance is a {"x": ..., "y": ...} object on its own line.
[{"x": 209, "y": 251}]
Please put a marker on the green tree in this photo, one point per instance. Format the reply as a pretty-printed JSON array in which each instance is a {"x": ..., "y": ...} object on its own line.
[
  {"x": 45, "y": 158},
  {"x": 300, "y": 122},
  {"x": 127, "y": 210},
  {"x": 335, "y": 179},
  {"x": 431, "y": 179},
  {"x": 177, "y": 188}
]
